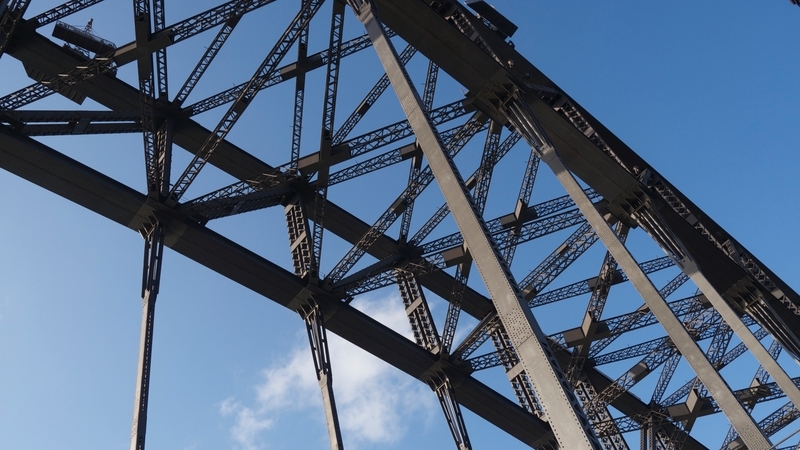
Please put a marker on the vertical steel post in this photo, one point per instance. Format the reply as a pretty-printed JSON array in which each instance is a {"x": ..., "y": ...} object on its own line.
[
  {"x": 421, "y": 321},
  {"x": 153, "y": 252},
  {"x": 158, "y": 160},
  {"x": 318, "y": 340},
  {"x": 440, "y": 383}
]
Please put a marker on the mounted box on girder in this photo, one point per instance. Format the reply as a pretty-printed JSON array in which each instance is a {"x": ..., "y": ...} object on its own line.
[
  {"x": 456, "y": 255},
  {"x": 310, "y": 163},
  {"x": 639, "y": 371},
  {"x": 616, "y": 278},
  {"x": 522, "y": 213},
  {"x": 311, "y": 63},
  {"x": 500, "y": 23},
  {"x": 410, "y": 151},
  {"x": 82, "y": 39},
  {"x": 589, "y": 331},
  {"x": 694, "y": 407}
]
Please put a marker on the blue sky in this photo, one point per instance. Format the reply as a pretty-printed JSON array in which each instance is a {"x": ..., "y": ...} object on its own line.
[{"x": 706, "y": 92}]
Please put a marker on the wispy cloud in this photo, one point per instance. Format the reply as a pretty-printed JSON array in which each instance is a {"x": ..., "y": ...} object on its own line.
[
  {"x": 375, "y": 401},
  {"x": 249, "y": 423}
]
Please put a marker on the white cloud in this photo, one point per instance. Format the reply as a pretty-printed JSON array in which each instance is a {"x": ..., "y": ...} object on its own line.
[
  {"x": 375, "y": 401},
  {"x": 290, "y": 384},
  {"x": 248, "y": 424}
]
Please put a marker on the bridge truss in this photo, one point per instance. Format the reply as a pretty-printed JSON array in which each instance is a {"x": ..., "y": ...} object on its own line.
[{"x": 468, "y": 103}]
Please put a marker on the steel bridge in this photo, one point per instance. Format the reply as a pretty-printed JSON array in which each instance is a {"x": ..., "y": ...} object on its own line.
[{"x": 718, "y": 302}]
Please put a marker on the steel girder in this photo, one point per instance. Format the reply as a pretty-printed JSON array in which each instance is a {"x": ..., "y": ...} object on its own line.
[
  {"x": 74, "y": 181},
  {"x": 462, "y": 46}
]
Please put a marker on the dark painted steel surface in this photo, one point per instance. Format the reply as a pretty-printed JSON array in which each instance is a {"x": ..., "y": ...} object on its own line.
[{"x": 502, "y": 89}]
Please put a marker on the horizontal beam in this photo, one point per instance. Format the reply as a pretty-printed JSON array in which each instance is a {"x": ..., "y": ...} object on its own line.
[
  {"x": 37, "y": 51},
  {"x": 76, "y": 182}
]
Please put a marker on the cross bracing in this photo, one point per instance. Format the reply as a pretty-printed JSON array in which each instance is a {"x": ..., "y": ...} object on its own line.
[{"x": 452, "y": 137}]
